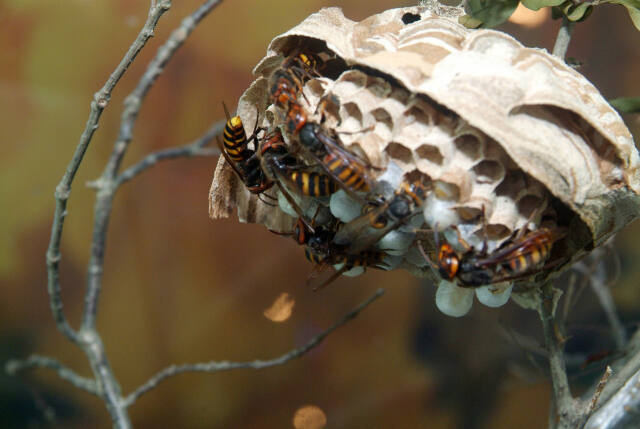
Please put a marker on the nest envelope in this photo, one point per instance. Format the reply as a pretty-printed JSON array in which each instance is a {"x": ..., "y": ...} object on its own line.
[{"x": 508, "y": 137}]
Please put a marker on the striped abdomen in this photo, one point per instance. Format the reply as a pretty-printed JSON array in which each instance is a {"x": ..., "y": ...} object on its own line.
[
  {"x": 313, "y": 184},
  {"x": 235, "y": 140},
  {"x": 314, "y": 258},
  {"x": 532, "y": 253},
  {"x": 363, "y": 259},
  {"x": 350, "y": 174}
]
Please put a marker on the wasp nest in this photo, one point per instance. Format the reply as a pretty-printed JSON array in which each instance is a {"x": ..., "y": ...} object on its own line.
[{"x": 508, "y": 140}]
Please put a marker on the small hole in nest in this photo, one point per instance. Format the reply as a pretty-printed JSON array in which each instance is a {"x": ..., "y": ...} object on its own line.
[
  {"x": 383, "y": 117},
  {"x": 400, "y": 95},
  {"x": 399, "y": 152},
  {"x": 329, "y": 105},
  {"x": 352, "y": 111},
  {"x": 415, "y": 114},
  {"x": 469, "y": 145},
  {"x": 417, "y": 176},
  {"x": 429, "y": 152},
  {"x": 488, "y": 171},
  {"x": 315, "y": 87},
  {"x": 528, "y": 205},
  {"x": 513, "y": 183},
  {"x": 468, "y": 213},
  {"x": 379, "y": 87},
  {"x": 497, "y": 231},
  {"x": 354, "y": 76},
  {"x": 409, "y": 18}
]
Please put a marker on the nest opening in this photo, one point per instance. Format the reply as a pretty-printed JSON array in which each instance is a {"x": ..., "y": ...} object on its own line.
[
  {"x": 469, "y": 145},
  {"x": 351, "y": 114},
  {"x": 398, "y": 152},
  {"x": 529, "y": 205},
  {"x": 430, "y": 153},
  {"x": 409, "y": 18},
  {"x": 488, "y": 171}
]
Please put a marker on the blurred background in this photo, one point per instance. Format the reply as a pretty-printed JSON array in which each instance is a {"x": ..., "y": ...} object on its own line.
[{"x": 179, "y": 287}]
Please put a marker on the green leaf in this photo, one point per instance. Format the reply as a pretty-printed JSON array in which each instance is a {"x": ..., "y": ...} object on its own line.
[
  {"x": 634, "y": 14},
  {"x": 539, "y": 4},
  {"x": 469, "y": 21},
  {"x": 626, "y": 104},
  {"x": 633, "y": 7},
  {"x": 579, "y": 12},
  {"x": 491, "y": 12}
]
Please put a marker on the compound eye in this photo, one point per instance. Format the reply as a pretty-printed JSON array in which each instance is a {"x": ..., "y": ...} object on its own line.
[{"x": 400, "y": 208}]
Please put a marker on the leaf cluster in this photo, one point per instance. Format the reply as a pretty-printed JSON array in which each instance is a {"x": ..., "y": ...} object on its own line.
[{"x": 491, "y": 13}]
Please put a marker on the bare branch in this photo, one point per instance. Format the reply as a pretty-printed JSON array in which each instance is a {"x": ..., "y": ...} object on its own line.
[
  {"x": 622, "y": 373},
  {"x": 195, "y": 148},
  {"x": 622, "y": 410},
  {"x": 92, "y": 343},
  {"x": 562, "y": 393},
  {"x": 570, "y": 412},
  {"x": 133, "y": 102},
  {"x": 106, "y": 183},
  {"x": 98, "y": 104},
  {"x": 214, "y": 366},
  {"x": 563, "y": 38},
  {"x": 37, "y": 361}
]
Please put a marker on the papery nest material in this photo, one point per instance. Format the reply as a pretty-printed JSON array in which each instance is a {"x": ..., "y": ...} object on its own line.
[{"x": 466, "y": 107}]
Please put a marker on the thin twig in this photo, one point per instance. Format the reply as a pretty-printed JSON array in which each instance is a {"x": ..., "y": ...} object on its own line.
[
  {"x": 623, "y": 373},
  {"x": 37, "y": 361},
  {"x": 601, "y": 384},
  {"x": 622, "y": 410},
  {"x": 88, "y": 338},
  {"x": 98, "y": 104},
  {"x": 214, "y": 366},
  {"x": 192, "y": 149},
  {"x": 563, "y": 38},
  {"x": 568, "y": 410},
  {"x": 133, "y": 102},
  {"x": 106, "y": 184}
]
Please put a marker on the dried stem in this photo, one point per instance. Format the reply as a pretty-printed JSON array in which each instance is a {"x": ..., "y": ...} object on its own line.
[
  {"x": 554, "y": 343},
  {"x": 622, "y": 410},
  {"x": 618, "y": 405},
  {"x": 601, "y": 384},
  {"x": 107, "y": 183},
  {"x": 213, "y": 366},
  {"x": 98, "y": 104},
  {"x": 104, "y": 383},
  {"x": 193, "y": 149},
  {"x": 563, "y": 38},
  {"x": 37, "y": 361}
]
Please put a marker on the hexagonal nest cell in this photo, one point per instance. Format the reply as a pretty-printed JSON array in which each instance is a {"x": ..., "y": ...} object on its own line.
[{"x": 462, "y": 136}]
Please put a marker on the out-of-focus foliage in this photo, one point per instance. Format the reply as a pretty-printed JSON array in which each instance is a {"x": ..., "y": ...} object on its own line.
[
  {"x": 539, "y": 4},
  {"x": 181, "y": 288},
  {"x": 491, "y": 13},
  {"x": 627, "y": 104}
]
